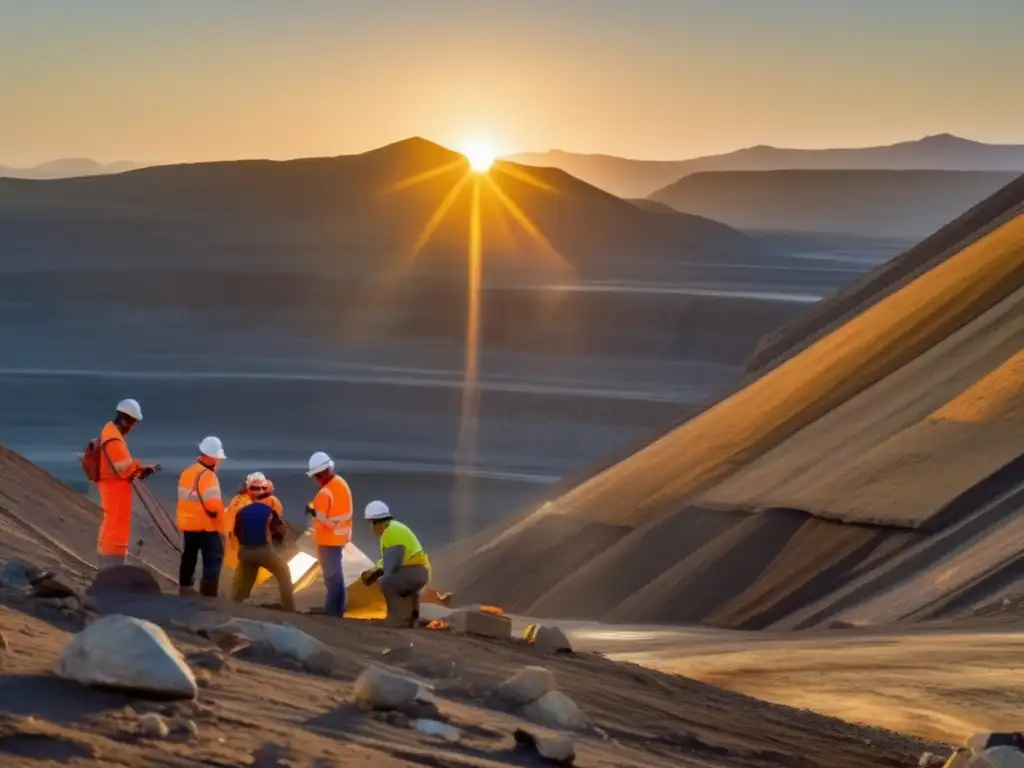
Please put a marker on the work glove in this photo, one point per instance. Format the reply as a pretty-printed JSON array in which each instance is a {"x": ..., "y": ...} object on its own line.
[
  {"x": 310, "y": 510},
  {"x": 371, "y": 575},
  {"x": 147, "y": 471}
]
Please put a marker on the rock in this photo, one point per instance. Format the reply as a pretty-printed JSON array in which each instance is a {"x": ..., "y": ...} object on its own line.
[
  {"x": 124, "y": 579},
  {"x": 152, "y": 726},
  {"x": 127, "y": 653},
  {"x": 979, "y": 742},
  {"x": 434, "y": 728},
  {"x": 50, "y": 586},
  {"x": 203, "y": 678},
  {"x": 998, "y": 757},
  {"x": 281, "y": 640},
  {"x": 4, "y": 645},
  {"x": 473, "y": 622},
  {"x": 231, "y": 643},
  {"x": 547, "y": 639},
  {"x": 16, "y": 575},
  {"x": 397, "y": 719},
  {"x": 212, "y": 660},
  {"x": 527, "y": 686},
  {"x": 557, "y": 710},
  {"x": 186, "y": 726},
  {"x": 376, "y": 688},
  {"x": 554, "y": 748}
]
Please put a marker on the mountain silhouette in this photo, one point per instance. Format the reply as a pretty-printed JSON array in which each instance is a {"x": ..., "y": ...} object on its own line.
[
  {"x": 65, "y": 168},
  {"x": 371, "y": 208},
  {"x": 902, "y": 204},
  {"x": 640, "y": 178}
]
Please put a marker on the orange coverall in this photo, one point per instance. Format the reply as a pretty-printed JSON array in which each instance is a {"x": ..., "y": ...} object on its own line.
[{"x": 117, "y": 468}]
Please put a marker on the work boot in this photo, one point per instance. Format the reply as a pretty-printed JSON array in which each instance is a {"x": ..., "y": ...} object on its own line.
[{"x": 208, "y": 588}]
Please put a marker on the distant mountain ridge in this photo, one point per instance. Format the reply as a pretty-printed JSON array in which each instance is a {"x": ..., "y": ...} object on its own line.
[
  {"x": 640, "y": 178},
  {"x": 65, "y": 168},
  {"x": 875, "y": 203}
]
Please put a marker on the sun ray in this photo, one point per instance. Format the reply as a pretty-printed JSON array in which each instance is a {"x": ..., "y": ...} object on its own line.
[
  {"x": 438, "y": 216},
  {"x": 524, "y": 221},
  {"x": 419, "y": 178},
  {"x": 465, "y": 451},
  {"x": 518, "y": 172}
]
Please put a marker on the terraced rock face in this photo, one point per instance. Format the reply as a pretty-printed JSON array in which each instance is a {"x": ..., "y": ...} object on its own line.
[{"x": 825, "y": 483}]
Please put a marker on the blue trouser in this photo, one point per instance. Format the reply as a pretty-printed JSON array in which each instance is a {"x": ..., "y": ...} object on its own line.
[
  {"x": 334, "y": 579},
  {"x": 211, "y": 546}
]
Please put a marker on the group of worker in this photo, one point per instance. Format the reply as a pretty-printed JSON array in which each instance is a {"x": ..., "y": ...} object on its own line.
[{"x": 251, "y": 529}]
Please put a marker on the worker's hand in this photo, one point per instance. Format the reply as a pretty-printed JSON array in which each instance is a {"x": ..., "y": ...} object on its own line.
[
  {"x": 370, "y": 575},
  {"x": 146, "y": 470},
  {"x": 310, "y": 510}
]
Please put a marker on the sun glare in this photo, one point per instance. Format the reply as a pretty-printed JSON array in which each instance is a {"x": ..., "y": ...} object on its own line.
[{"x": 481, "y": 155}]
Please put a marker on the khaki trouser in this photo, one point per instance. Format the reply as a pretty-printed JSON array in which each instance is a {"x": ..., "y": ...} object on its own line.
[
  {"x": 402, "y": 594},
  {"x": 250, "y": 560}
]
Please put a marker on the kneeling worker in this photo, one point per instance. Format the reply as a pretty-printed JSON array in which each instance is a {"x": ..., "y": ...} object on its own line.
[
  {"x": 403, "y": 568},
  {"x": 257, "y": 526}
]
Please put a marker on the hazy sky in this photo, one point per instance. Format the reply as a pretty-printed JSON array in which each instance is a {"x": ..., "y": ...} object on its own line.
[{"x": 168, "y": 80}]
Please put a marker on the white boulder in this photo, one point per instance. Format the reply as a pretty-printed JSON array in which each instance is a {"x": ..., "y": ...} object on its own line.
[
  {"x": 377, "y": 688},
  {"x": 528, "y": 685},
  {"x": 557, "y": 710},
  {"x": 281, "y": 640},
  {"x": 127, "y": 653},
  {"x": 998, "y": 757}
]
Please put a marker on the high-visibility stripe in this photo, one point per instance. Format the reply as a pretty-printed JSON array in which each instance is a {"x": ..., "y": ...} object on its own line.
[{"x": 210, "y": 493}]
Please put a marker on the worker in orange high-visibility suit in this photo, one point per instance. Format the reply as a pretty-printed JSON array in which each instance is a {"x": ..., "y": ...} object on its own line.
[
  {"x": 201, "y": 520},
  {"x": 331, "y": 510},
  {"x": 255, "y": 487},
  {"x": 117, "y": 470}
]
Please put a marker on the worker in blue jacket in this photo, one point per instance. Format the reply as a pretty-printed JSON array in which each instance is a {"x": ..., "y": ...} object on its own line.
[{"x": 257, "y": 528}]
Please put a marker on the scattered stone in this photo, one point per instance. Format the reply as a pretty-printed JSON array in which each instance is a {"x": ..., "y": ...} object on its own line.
[
  {"x": 528, "y": 685},
  {"x": 127, "y": 653},
  {"x": 16, "y": 575},
  {"x": 435, "y": 728},
  {"x": 547, "y": 639},
  {"x": 557, "y": 710},
  {"x": 49, "y": 586},
  {"x": 282, "y": 640},
  {"x": 554, "y": 748},
  {"x": 212, "y": 660},
  {"x": 129, "y": 712},
  {"x": 998, "y": 757},
  {"x": 484, "y": 623},
  {"x": 186, "y": 726},
  {"x": 979, "y": 742},
  {"x": 152, "y": 726},
  {"x": 231, "y": 643},
  {"x": 203, "y": 678},
  {"x": 376, "y": 688}
]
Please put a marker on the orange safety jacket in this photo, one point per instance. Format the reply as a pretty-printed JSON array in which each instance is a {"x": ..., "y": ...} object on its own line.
[
  {"x": 200, "y": 506},
  {"x": 332, "y": 525},
  {"x": 117, "y": 468}
]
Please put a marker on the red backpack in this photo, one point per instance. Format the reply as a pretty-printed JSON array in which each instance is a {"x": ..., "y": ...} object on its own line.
[{"x": 92, "y": 459}]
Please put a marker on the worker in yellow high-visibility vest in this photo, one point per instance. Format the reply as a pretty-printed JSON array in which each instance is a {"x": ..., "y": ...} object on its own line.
[{"x": 403, "y": 568}]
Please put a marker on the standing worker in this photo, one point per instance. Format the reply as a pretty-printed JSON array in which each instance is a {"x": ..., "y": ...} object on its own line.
[
  {"x": 117, "y": 469},
  {"x": 403, "y": 568},
  {"x": 331, "y": 510},
  {"x": 257, "y": 525},
  {"x": 201, "y": 519}
]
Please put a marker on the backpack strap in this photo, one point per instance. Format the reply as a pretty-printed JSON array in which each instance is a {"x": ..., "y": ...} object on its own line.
[{"x": 195, "y": 490}]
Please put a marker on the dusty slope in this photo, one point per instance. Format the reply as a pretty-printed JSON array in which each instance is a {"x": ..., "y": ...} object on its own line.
[
  {"x": 877, "y": 203},
  {"x": 911, "y": 367}
]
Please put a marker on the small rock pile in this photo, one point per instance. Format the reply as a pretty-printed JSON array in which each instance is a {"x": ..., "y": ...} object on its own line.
[{"x": 534, "y": 694}]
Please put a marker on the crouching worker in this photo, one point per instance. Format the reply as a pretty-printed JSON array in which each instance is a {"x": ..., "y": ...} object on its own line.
[
  {"x": 403, "y": 568},
  {"x": 257, "y": 527}
]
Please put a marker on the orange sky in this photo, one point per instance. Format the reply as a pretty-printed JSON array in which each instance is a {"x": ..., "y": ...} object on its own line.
[{"x": 191, "y": 80}]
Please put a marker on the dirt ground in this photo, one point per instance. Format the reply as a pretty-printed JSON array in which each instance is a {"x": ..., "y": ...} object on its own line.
[{"x": 260, "y": 713}]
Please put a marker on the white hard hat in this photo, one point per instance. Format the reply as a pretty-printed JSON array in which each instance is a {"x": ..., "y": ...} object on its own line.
[
  {"x": 376, "y": 510},
  {"x": 319, "y": 462},
  {"x": 131, "y": 408},
  {"x": 212, "y": 447}
]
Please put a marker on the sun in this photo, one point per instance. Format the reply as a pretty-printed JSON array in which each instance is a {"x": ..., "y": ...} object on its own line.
[{"x": 480, "y": 153}]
